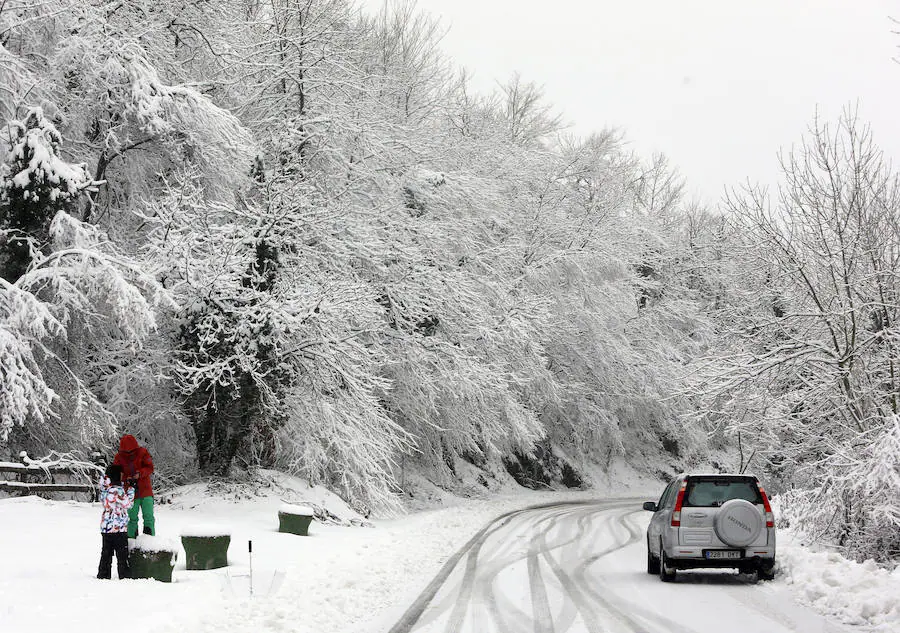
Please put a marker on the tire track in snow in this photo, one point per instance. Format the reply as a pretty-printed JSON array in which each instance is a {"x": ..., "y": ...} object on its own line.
[
  {"x": 411, "y": 617},
  {"x": 496, "y": 602},
  {"x": 610, "y": 603},
  {"x": 451, "y": 588},
  {"x": 580, "y": 515},
  {"x": 576, "y": 585},
  {"x": 598, "y": 522},
  {"x": 544, "y": 523},
  {"x": 482, "y": 577},
  {"x": 585, "y": 514},
  {"x": 504, "y": 613},
  {"x": 540, "y": 603}
]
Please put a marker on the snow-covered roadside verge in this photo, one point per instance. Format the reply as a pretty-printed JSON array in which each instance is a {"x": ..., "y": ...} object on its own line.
[
  {"x": 339, "y": 579},
  {"x": 361, "y": 582},
  {"x": 861, "y": 594},
  {"x": 854, "y": 593}
]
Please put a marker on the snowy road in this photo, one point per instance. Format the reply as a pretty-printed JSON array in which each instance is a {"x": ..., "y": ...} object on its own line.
[{"x": 580, "y": 567}]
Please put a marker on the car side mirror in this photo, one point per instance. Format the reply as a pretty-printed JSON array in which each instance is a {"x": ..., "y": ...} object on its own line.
[{"x": 650, "y": 506}]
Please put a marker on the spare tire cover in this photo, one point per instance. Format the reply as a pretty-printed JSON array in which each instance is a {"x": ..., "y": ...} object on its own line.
[{"x": 738, "y": 523}]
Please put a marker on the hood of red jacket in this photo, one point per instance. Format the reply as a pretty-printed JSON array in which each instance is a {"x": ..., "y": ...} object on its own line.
[{"x": 128, "y": 443}]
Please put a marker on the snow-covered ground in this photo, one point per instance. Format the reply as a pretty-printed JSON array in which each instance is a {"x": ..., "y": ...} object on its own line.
[
  {"x": 340, "y": 579},
  {"x": 337, "y": 579},
  {"x": 851, "y": 592}
]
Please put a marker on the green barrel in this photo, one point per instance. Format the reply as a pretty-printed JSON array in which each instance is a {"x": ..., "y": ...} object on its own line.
[
  {"x": 156, "y": 565},
  {"x": 206, "y": 552},
  {"x": 294, "y": 523}
]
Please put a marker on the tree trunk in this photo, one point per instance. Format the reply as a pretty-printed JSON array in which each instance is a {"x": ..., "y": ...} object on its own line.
[{"x": 222, "y": 430}]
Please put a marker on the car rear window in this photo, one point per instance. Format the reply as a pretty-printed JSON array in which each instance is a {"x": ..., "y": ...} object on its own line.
[{"x": 707, "y": 492}]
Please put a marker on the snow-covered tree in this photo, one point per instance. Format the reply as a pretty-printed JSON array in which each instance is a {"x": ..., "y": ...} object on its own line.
[
  {"x": 809, "y": 377},
  {"x": 68, "y": 293}
]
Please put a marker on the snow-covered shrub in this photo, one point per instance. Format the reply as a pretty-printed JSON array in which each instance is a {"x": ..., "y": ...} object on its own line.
[{"x": 99, "y": 308}]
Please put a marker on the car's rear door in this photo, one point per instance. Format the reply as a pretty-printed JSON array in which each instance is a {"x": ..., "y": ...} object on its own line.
[{"x": 703, "y": 497}]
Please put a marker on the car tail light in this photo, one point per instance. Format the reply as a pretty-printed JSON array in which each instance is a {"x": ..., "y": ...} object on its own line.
[
  {"x": 770, "y": 518},
  {"x": 676, "y": 514}
]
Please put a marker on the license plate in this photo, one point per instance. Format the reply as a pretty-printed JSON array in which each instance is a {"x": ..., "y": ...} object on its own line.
[{"x": 724, "y": 553}]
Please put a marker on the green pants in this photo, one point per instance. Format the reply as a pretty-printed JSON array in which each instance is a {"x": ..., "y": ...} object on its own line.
[{"x": 145, "y": 505}]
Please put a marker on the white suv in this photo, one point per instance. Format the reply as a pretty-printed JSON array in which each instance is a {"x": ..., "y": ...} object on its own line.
[{"x": 704, "y": 521}]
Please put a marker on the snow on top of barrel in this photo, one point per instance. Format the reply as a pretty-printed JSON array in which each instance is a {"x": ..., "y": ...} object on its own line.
[
  {"x": 149, "y": 543},
  {"x": 205, "y": 530},
  {"x": 288, "y": 508}
]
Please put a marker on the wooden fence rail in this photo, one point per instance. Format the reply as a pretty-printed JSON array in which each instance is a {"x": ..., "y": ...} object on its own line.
[
  {"x": 29, "y": 488},
  {"x": 34, "y": 471},
  {"x": 22, "y": 469}
]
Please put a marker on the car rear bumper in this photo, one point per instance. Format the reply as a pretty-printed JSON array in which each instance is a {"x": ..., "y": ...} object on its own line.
[{"x": 695, "y": 558}]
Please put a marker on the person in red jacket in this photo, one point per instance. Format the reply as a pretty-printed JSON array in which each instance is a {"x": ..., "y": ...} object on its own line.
[{"x": 137, "y": 466}]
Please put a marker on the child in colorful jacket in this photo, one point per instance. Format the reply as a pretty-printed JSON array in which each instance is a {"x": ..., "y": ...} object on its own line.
[{"x": 116, "y": 500}]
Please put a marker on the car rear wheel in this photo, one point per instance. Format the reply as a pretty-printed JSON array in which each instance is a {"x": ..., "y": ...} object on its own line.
[
  {"x": 652, "y": 562},
  {"x": 666, "y": 573},
  {"x": 766, "y": 571}
]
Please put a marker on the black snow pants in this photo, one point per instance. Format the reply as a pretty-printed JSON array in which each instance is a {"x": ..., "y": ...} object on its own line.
[{"x": 114, "y": 542}]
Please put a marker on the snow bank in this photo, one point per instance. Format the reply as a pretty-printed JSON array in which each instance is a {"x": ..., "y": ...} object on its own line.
[
  {"x": 288, "y": 508},
  {"x": 266, "y": 493},
  {"x": 209, "y": 531},
  {"x": 855, "y": 593}
]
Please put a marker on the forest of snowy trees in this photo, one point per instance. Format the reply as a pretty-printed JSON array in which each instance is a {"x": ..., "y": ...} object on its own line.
[{"x": 287, "y": 233}]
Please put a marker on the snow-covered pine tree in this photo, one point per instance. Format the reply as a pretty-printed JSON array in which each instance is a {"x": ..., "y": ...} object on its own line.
[{"x": 35, "y": 183}]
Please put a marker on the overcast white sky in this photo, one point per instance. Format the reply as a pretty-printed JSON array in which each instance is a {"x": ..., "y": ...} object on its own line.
[{"x": 718, "y": 85}]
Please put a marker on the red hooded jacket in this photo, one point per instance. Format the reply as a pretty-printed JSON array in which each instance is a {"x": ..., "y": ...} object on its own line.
[{"x": 135, "y": 461}]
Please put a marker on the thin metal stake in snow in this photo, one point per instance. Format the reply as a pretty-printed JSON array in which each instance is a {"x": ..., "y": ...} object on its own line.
[{"x": 250, "y": 550}]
